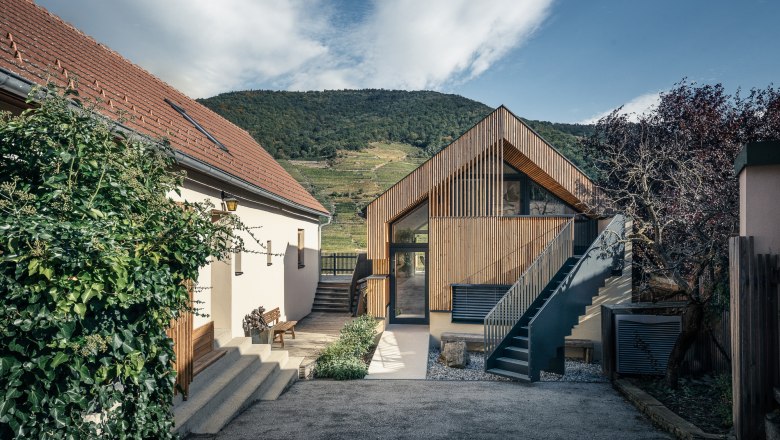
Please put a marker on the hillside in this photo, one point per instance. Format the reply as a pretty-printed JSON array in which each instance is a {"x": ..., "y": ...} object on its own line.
[
  {"x": 315, "y": 125},
  {"x": 347, "y": 147}
]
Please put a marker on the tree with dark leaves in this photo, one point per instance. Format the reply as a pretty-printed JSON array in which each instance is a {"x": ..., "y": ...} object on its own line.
[{"x": 671, "y": 170}]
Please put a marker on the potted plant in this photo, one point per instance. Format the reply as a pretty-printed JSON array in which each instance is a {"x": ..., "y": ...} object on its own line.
[{"x": 256, "y": 327}]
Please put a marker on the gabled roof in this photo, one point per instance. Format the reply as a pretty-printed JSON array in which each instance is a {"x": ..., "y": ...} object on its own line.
[
  {"x": 40, "y": 47},
  {"x": 479, "y": 152}
]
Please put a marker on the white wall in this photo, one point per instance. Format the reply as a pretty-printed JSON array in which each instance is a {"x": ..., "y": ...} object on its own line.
[
  {"x": 616, "y": 290},
  {"x": 282, "y": 284},
  {"x": 759, "y": 208}
]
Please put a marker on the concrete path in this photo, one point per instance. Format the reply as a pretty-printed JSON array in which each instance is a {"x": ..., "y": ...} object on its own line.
[
  {"x": 415, "y": 409},
  {"x": 402, "y": 353}
]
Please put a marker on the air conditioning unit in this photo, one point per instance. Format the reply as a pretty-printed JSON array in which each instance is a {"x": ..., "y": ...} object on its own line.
[{"x": 644, "y": 342}]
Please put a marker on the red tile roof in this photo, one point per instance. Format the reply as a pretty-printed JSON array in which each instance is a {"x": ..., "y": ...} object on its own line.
[{"x": 41, "y": 47}]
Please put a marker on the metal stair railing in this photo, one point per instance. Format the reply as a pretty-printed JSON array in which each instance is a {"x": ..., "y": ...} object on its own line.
[
  {"x": 548, "y": 329},
  {"x": 500, "y": 321}
]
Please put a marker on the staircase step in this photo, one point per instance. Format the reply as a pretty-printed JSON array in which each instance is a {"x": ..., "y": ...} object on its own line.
[
  {"x": 509, "y": 374},
  {"x": 520, "y": 341},
  {"x": 200, "y": 405},
  {"x": 287, "y": 375},
  {"x": 206, "y": 360},
  {"x": 516, "y": 352},
  {"x": 335, "y": 294},
  {"x": 332, "y": 300},
  {"x": 514, "y": 365},
  {"x": 242, "y": 397},
  {"x": 330, "y": 308}
]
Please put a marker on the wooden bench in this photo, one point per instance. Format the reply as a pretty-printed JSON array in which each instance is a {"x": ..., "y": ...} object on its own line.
[
  {"x": 279, "y": 328},
  {"x": 474, "y": 341},
  {"x": 585, "y": 345}
]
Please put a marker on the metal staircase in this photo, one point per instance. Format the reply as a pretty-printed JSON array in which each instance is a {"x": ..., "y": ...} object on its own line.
[{"x": 525, "y": 332}]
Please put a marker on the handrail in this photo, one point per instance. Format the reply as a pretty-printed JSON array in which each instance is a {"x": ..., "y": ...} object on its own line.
[
  {"x": 555, "y": 319},
  {"x": 469, "y": 279},
  {"x": 509, "y": 309}
]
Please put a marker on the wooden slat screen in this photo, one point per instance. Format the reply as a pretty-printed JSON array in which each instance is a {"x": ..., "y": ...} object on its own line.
[
  {"x": 483, "y": 250},
  {"x": 378, "y": 295},
  {"x": 181, "y": 333}
]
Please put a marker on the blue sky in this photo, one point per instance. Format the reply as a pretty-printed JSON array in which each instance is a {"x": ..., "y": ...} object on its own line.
[{"x": 558, "y": 60}]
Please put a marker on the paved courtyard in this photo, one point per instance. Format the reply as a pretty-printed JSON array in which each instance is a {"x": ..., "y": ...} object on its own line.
[{"x": 419, "y": 409}]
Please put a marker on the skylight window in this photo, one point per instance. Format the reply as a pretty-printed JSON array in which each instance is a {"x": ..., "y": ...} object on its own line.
[{"x": 196, "y": 125}]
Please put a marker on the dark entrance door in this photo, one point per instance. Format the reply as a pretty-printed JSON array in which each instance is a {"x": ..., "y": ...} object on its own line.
[{"x": 409, "y": 284}]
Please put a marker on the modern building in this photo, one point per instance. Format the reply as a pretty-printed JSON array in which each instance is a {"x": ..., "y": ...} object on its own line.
[{"x": 474, "y": 239}]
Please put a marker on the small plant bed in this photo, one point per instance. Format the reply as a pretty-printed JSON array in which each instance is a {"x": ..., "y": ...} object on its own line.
[
  {"x": 348, "y": 357},
  {"x": 704, "y": 401}
]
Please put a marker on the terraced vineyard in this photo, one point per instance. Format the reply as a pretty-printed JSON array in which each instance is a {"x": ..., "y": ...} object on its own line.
[{"x": 349, "y": 182}]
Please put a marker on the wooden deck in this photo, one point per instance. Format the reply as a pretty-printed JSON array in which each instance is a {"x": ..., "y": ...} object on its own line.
[{"x": 312, "y": 334}]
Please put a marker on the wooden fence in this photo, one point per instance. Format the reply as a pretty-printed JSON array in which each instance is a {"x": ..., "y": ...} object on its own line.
[
  {"x": 754, "y": 336},
  {"x": 180, "y": 332}
]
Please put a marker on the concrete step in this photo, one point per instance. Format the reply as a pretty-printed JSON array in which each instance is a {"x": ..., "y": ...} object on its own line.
[
  {"x": 244, "y": 396},
  {"x": 221, "y": 337},
  {"x": 330, "y": 308},
  {"x": 321, "y": 294},
  {"x": 331, "y": 302},
  {"x": 190, "y": 413},
  {"x": 287, "y": 375}
]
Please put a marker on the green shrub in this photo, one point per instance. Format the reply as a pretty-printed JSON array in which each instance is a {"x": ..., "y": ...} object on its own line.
[
  {"x": 94, "y": 264},
  {"x": 343, "y": 359},
  {"x": 343, "y": 368}
]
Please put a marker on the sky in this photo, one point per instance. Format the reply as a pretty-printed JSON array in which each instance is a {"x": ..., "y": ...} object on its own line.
[{"x": 555, "y": 60}]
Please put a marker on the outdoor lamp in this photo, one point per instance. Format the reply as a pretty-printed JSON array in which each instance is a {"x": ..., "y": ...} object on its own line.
[{"x": 231, "y": 203}]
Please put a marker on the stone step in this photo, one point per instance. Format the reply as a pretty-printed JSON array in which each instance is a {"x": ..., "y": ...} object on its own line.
[
  {"x": 244, "y": 396},
  {"x": 332, "y": 298},
  {"x": 205, "y": 401}
]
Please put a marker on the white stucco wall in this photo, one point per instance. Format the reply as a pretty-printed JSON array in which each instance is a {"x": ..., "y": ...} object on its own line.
[
  {"x": 759, "y": 208},
  {"x": 229, "y": 297},
  {"x": 616, "y": 290}
]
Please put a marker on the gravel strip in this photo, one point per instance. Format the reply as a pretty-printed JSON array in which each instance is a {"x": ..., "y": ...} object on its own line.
[{"x": 576, "y": 371}]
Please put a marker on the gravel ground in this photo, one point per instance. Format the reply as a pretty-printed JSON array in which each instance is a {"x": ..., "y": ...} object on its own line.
[
  {"x": 442, "y": 410},
  {"x": 576, "y": 371}
]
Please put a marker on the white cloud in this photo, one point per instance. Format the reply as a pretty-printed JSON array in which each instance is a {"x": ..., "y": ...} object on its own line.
[
  {"x": 412, "y": 45},
  {"x": 211, "y": 47},
  {"x": 633, "y": 108},
  {"x": 205, "y": 47}
]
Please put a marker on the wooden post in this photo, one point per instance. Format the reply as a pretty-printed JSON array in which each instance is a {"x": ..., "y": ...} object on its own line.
[{"x": 754, "y": 336}]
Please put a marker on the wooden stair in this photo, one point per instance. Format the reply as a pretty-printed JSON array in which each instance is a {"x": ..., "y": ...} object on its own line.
[
  {"x": 332, "y": 296},
  {"x": 239, "y": 375}
]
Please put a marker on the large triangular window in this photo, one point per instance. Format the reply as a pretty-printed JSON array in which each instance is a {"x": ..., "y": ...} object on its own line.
[
  {"x": 523, "y": 196},
  {"x": 412, "y": 227}
]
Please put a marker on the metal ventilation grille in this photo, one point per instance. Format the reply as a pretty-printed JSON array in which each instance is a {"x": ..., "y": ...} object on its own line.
[
  {"x": 644, "y": 342},
  {"x": 472, "y": 302}
]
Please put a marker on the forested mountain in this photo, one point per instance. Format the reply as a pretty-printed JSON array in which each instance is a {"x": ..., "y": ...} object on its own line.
[{"x": 314, "y": 125}]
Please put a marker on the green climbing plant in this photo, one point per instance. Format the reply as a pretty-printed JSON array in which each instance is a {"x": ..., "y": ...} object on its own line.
[{"x": 94, "y": 258}]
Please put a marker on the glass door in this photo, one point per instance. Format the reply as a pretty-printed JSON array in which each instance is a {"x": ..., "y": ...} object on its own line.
[{"x": 409, "y": 286}]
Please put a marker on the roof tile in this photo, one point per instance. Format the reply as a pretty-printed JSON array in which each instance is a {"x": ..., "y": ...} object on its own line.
[{"x": 43, "y": 48}]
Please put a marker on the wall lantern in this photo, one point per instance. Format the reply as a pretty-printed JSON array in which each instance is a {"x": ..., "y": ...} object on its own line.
[{"x": 231, "y": 203}]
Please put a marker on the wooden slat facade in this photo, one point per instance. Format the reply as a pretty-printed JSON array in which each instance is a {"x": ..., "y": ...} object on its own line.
[
  {"x": 476, "y": 250},
  {"x": 464, "y": 186}
]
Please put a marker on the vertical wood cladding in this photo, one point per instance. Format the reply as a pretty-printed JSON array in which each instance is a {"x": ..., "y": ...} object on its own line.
[
  {"x": 464, "y": 186},
  {"x": 483, "y": 250}
]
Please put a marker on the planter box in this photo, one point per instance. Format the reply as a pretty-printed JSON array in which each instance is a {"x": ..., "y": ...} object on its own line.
[{"x": 261, "y": 336}]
